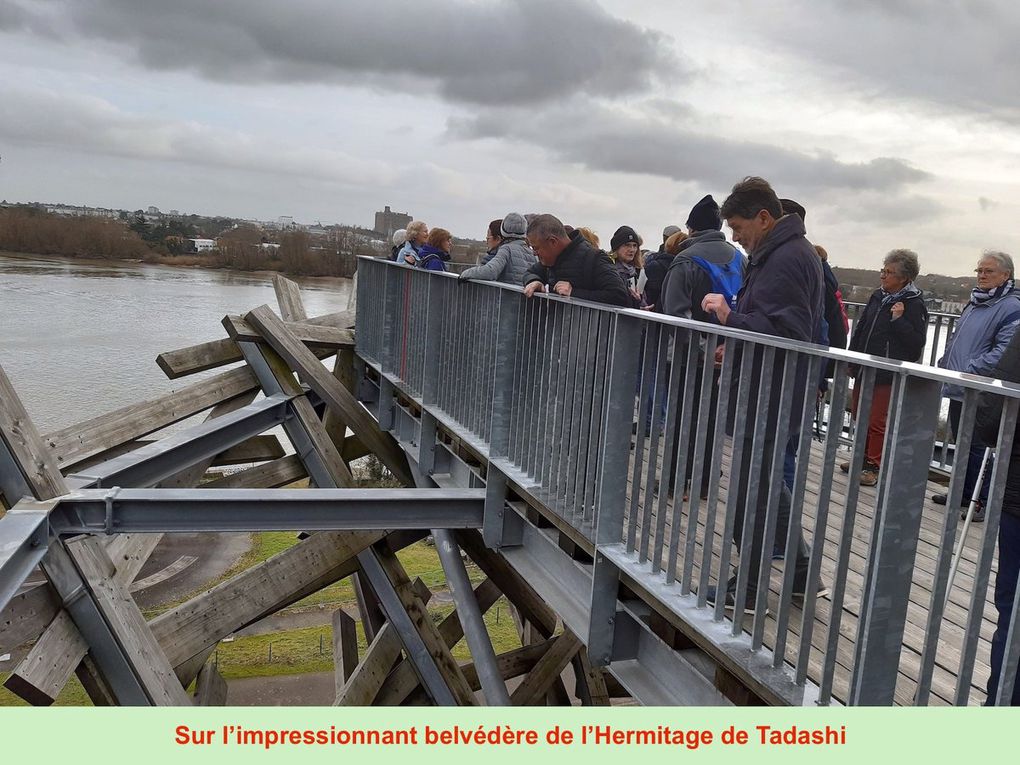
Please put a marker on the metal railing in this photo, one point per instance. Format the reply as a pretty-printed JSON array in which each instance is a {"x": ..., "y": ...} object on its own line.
[{"x": 614, "y": 420}]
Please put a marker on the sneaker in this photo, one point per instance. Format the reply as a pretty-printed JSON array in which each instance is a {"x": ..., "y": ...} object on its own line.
[
  {"x": 710, "y": 597},
  {"x": 940, "y": 499},
  {"x": 845, "y": 466},
  {"x": 778, "y": 553},
  {"x": 869, "y": 477}
]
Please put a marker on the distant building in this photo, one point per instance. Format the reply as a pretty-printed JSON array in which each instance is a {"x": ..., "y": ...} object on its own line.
[
  {"x": 387, "y": 221},
  {"x": 203, "y": 245},
  {"x": 153, "y": 210},
  {"x": 286, "y": 221}
]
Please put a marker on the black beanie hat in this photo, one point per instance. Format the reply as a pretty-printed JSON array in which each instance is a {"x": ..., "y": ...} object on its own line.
[
  {"x": 793, "y": 208},
  {"x": 705, "y": 215},
  {"x": 623, "y": 235}
]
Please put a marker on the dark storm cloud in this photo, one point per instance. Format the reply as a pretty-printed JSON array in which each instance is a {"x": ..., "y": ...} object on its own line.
[
  {"x": 504, "y": 51},
  {"x": 605, "y": 139}
]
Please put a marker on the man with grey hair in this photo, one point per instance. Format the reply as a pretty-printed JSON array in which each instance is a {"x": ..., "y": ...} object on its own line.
[
  {"x": 977, "y": 344},
  {"x": 569, "y": 266}
]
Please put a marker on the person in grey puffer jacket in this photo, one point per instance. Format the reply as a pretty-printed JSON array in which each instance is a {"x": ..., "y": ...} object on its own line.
[
  {"x": 512, "y": 258},
  {"x": 979, "y": 340}
]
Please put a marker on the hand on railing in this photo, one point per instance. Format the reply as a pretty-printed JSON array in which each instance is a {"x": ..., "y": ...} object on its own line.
[
  {"x": 717, "y": 304},
  {"x": 563, "y": 288}
]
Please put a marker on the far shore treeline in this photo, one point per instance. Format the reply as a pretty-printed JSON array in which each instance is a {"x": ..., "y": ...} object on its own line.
[
  {"x": 246, "y": 247},
  {"x": 243, "y": 247}
]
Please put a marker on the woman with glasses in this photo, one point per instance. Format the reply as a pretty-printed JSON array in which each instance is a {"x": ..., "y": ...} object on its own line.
[
  {"x": 979, "y": 339},
  {"x": 894, "y": 325}
]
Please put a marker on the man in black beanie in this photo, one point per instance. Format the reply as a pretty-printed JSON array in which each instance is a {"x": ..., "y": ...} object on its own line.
[{"x": 687, "y": 282}]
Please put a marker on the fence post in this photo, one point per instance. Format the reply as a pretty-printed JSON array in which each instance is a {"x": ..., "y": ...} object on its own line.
[
  {"x": 611, "y": 498},
  {"x": 500, "y": 526},
  {"x": 890, "y": 566}
]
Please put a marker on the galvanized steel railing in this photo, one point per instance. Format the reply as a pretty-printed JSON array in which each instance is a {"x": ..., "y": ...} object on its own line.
[{"x": 596, "y": 412}]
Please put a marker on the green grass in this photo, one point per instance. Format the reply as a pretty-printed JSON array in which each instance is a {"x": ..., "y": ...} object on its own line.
[{"x": 310, "y": 649}]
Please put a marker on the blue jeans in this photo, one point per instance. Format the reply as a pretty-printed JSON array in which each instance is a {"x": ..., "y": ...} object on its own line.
[{"x": 1005, "y": 591}]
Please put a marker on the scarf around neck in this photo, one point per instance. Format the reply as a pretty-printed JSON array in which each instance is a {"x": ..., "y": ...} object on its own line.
[
  {"x": 979, "y": 296},
  {"x": 908, "y": 290}
]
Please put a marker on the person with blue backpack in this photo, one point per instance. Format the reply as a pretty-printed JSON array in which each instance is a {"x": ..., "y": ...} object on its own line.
[{"x": 705, "y": 264}]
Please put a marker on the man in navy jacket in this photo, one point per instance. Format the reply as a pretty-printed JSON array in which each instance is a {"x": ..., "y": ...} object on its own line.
[{"x": 782, "y": 296}]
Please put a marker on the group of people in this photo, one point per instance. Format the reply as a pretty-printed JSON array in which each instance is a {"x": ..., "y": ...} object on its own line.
[{"x": 783, "y": 287}]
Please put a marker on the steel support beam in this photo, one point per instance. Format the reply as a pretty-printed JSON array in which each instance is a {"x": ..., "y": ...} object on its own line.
[
  {"x": 24, "y": 537},
  {"x": 151, "y": 464},
  {"x": 121, "y": 511}
]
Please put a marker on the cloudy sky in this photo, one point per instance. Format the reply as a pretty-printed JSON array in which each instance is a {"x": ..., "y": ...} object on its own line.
[{"x": 894, "y": 123}]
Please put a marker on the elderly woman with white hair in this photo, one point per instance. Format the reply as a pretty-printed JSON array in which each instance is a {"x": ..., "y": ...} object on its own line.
[
  {"x": 417, "y": 235},
  {"x": 977, "y": 344}
]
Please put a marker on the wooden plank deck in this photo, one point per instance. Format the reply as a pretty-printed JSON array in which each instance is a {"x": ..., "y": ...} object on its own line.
[{"x": 953, "y": 627}]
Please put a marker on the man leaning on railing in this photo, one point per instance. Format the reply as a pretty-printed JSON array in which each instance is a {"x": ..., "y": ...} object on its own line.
[{"x": 781, "y": 296}]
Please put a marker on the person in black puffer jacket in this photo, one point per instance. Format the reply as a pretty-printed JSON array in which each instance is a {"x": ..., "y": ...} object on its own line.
[
  {"x": 987, "y": 427},
  {"x": 655, "y": 269},
  {"x": 569, "y": 266},
  {"x": 894, "y": 325}
]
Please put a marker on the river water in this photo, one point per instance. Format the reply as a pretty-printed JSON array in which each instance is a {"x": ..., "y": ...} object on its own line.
[{"x": 79, "y": 340}]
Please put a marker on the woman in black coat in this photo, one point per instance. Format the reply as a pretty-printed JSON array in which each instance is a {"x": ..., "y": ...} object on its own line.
[{"x": 894, "y": 325}]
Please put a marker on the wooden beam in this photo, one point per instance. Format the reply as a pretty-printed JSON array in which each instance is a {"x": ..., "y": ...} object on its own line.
[
  {"x": 591, "y": 681},
  {"x": 402, "y": 681},
  {"x": 40, "y": 677},
  {"x": 363, "y": 685},
  {"x": 262, "y": 448},
  {"x": 77, "y": 442},
  {"x": 430, "y": 636},
  {"x": 288, "y": 295},
  {"x": 272, "y": 475},
  {"x": 345, "y": 648},
  {"x": 512, "y": 663},
  {"x": 303, "y": 361},
  {"x": 264, "y": 589},
  {"x": 28, "y": 448},
  {"x": 322, "y": 337},
  {"x": 27, "y": 615},
  {"x": 546, "y": 671},
  {"x": 127, "y": 624},
  {"x": 210, "y": 688}
]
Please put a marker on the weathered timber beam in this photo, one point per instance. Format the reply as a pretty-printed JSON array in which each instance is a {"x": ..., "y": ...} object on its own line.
[
  {"x": 402, "y": 681},
  {"x": 37, "y": 465},
  {"x": 125, "y": 621},
  {"x": 272, "y": 475},
  {"x": 218, "y": 353},
  {"x": 591, "y": 681},
  {"x": 363, "y": 685},
  {"x": 511, "y": 664},
  {"x": 288, "y": 296},
  {"x": 546, "y": 671},
  {"x": 77, "y": 442},
  {"x": 345, "y": 648},
  {"x": 295, "y": 573},
  {"x": 432, "y": 641},
  {"x": 331, "y": 391},
  {"x": 324, "y": 337},
  {"x": 60, "y": 649},
  {"x": 211, "y": 688}
]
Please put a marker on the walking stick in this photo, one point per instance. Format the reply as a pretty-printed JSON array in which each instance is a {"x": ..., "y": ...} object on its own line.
[{"x": 975, "y": 497}]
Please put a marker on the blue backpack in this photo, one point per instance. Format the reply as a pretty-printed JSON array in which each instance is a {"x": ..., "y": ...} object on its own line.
[{"x": 726, "y": 279}]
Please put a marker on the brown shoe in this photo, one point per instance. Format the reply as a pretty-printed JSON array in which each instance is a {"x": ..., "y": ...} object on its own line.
[
  {"x": 845, "y": 466},
  {"x": 869, "y": 477}
]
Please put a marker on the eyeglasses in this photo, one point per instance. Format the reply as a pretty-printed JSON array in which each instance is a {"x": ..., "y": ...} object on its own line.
[
  {"x": 887, "y": 272},
  {"x": 985, "y": 271}
]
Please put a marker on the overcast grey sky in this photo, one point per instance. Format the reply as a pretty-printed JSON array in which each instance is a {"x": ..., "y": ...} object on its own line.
[{"x": 894, "y": 123}]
